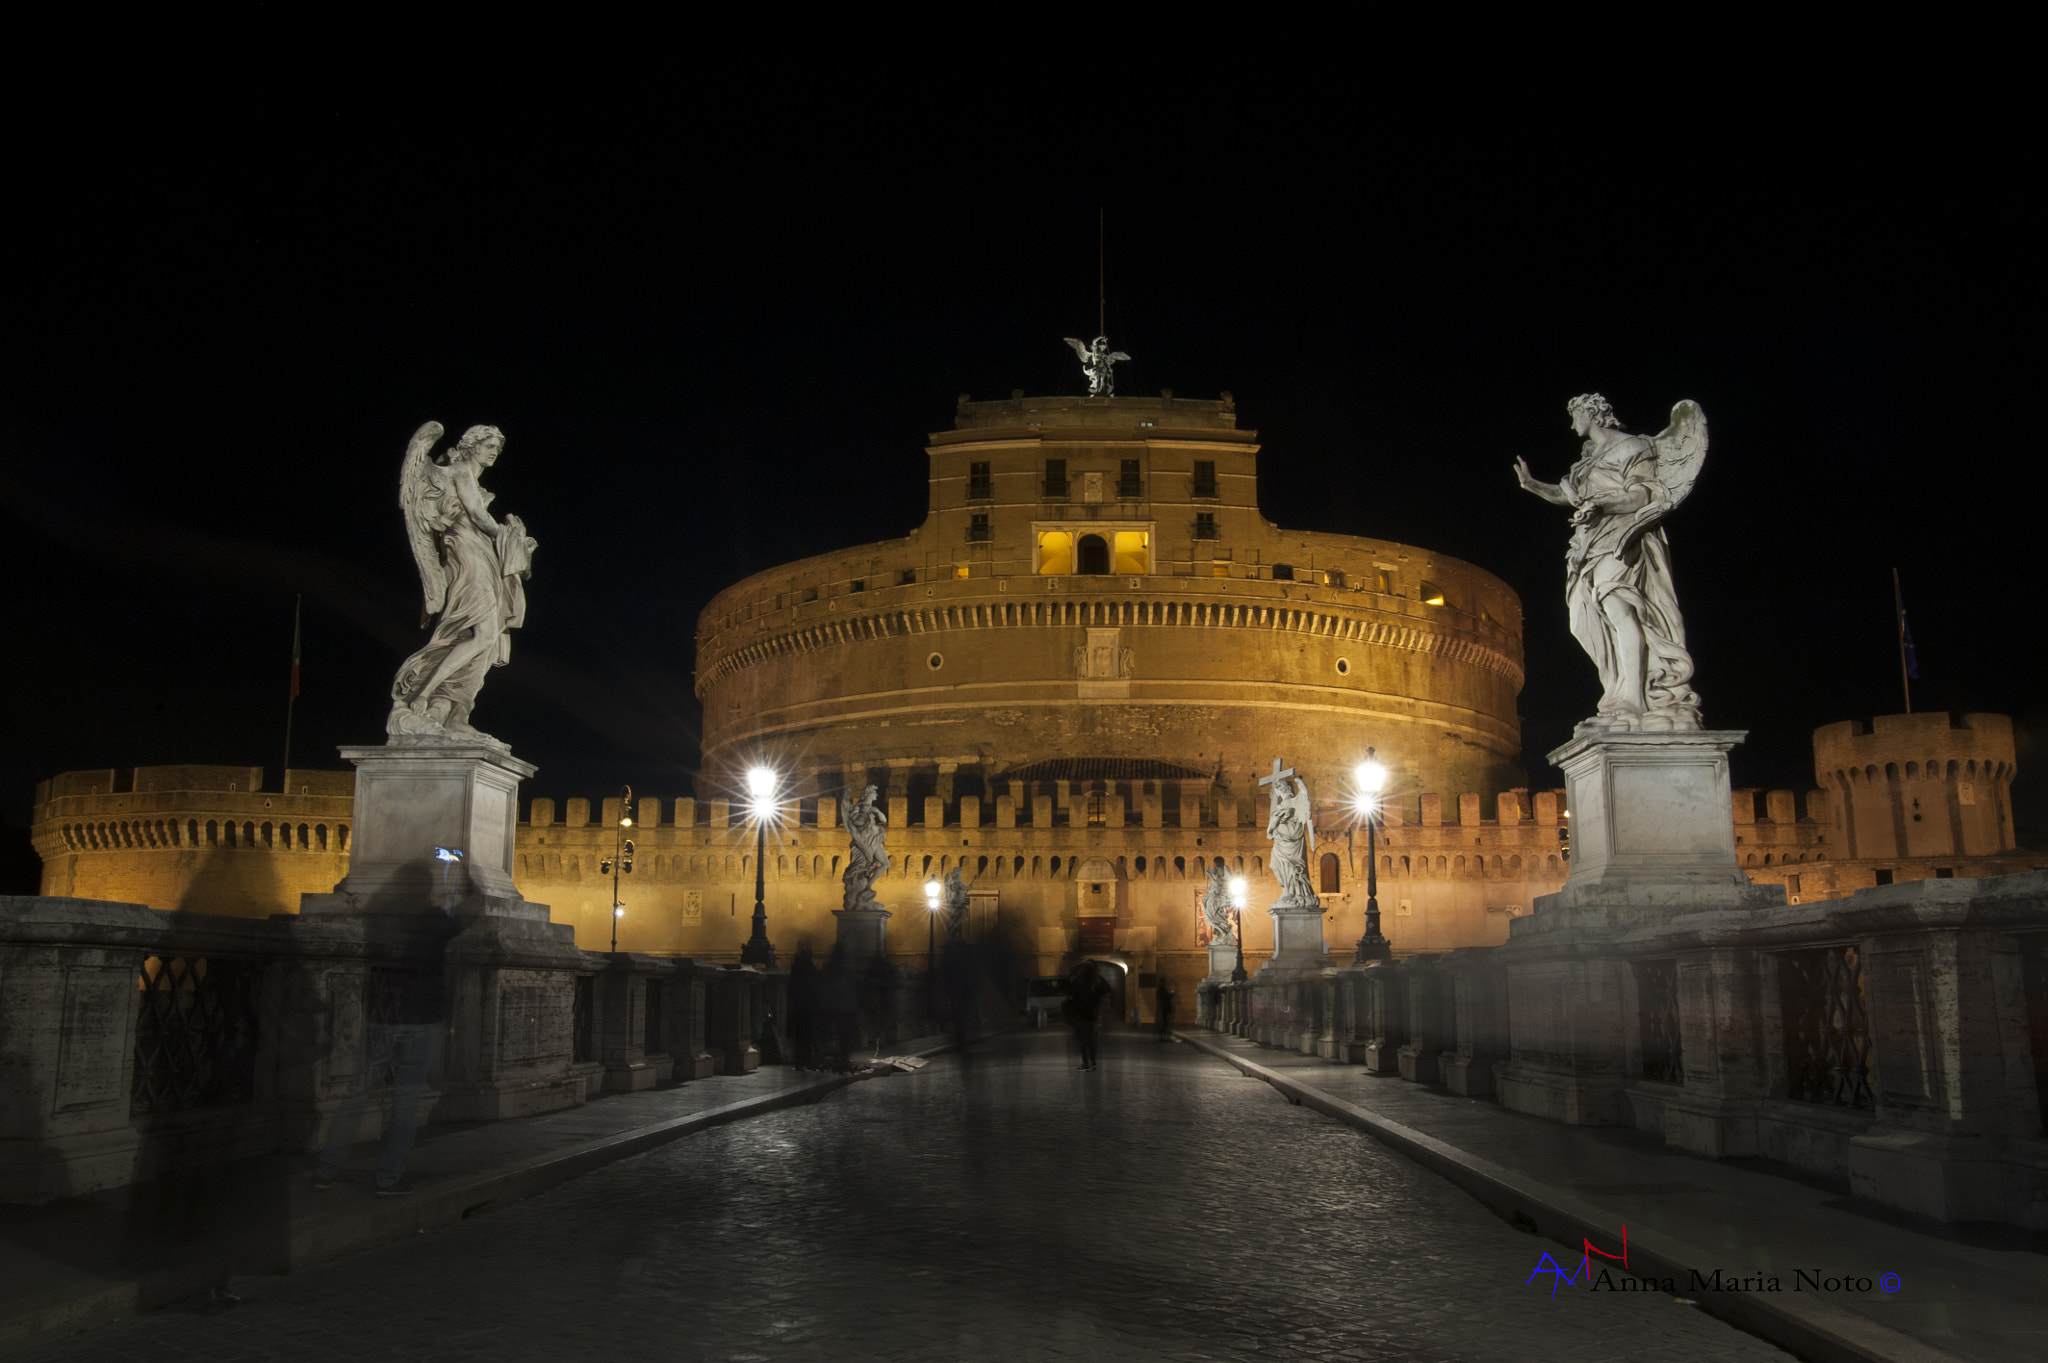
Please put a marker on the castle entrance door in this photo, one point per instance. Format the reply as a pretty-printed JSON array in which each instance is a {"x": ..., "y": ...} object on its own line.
[{"x": 1115, "y": 974}]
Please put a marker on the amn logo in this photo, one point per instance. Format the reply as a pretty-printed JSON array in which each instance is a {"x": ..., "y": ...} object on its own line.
[{"x": 1607, "y": 1280}]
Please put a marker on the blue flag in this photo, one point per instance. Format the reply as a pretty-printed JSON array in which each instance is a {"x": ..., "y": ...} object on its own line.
[{"x": 1906, "y": 644}]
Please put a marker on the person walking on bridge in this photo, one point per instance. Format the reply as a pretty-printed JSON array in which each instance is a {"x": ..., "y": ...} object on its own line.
[{"x": 1083, "y": 1010}]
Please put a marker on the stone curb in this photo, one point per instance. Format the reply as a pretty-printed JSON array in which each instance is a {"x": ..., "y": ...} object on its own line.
[
  {"x": 1813, "y": 1329},
  {"x": 370, "y": 1221}
]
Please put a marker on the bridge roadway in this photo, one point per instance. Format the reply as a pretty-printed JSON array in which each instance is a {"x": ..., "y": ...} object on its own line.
[{"x": 1161, "y": 1207}]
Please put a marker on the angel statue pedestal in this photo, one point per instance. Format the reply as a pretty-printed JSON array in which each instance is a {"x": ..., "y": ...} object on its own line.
[
  {"x": 434, "y": 822},
  {"x": 864, "y": 933}
]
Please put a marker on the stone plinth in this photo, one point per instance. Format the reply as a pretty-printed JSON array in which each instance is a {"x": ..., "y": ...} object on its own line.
[
  {"x": 416, "y": 797},
  {"x": 1652, "y": 832},
  {"x": 864, "y": 933},
  {"x": 1297, "y": 941},
  {"x": 1222, "y": 960}
]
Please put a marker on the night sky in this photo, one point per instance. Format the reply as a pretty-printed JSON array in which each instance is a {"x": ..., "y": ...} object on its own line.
[{"x": 717, "y": 332}]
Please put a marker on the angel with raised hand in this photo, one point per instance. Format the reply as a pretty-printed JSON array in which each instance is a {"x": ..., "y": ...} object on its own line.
[
  {"x": 473, "y": 570},
  {"x": 1624, "y": 607},
  {"x": 867, "y": 828},
  {"x": 1217, "y": 909},
  {"x": 1098, "y": 362}
]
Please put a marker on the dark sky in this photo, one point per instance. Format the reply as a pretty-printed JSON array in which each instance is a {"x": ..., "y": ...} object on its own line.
[{"x": 716, "y": 333}]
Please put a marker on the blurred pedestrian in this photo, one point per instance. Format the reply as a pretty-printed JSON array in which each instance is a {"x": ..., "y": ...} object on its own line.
[
  {"x": 410, "y": 1000},
  {"x": 1083, "y": 1010},
  {"x": 839, "y": 1006},
  {"x": 1162, "y": 1008},
  {"x": 803, "y": 1009}
]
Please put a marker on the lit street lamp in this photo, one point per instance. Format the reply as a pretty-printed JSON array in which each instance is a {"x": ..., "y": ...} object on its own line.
[
  {"x": 1237, "y": 889},
  {"x": 1371, "y": 777},
  {"x": 934, "y": 900},
  {"x": 761, "y": 806},
  {"x": 621, "y": 859}
]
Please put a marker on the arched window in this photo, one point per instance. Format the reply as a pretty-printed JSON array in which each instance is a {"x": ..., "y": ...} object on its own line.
[
  {"x": 1330, "y": 873},
  {"x": 1091, "y": 555},
  {"x": 1098, "y": 806}
]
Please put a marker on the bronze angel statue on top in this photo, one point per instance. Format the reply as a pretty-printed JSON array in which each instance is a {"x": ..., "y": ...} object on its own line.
[
  {"x": 1099, "y": 363},
  {"x": 1624, "y": 608},
  {"x": 473, "y": 571}
]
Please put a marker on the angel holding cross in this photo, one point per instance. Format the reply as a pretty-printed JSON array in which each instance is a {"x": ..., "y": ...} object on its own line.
[{"x": 1290, "y": 827}]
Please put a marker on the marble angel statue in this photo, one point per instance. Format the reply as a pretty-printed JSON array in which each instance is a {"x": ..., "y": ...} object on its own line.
[
  {"x": 867, "y": 825},
  {"x": 1624, "y": 608},
  {"x": 1099, "y": 363},
  {"x": 1291, "y": 828},
  {"x": 957, "y": 904},
  {"x": 1217, "y": 909},
  {"x": 473, "y": 570}
]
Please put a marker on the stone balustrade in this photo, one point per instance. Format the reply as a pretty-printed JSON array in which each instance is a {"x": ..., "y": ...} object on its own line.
[
  {"x": 1894, "y": 1042},
  {"x": 139, "y": 1040}
]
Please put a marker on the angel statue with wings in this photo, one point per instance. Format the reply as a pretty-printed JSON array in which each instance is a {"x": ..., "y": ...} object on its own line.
[
  {"x": 473, "y": 571},
  {"x": 1624, "y": 609},
  {"x": 1291, "y": 827},
  {"x": 868, "y": 827},
  {"x": 1098, "y": 362},
  {"x": 1217, "y": 909}
]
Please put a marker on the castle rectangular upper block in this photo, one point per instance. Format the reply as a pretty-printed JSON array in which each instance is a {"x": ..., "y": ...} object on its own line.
[
  {"x": 899, "y": 811},
  {"x": 543, "y": 813},
  {"x": 1006, "y": 811},
  {"x": 970, "y": 811},
  {"x": 1152, "y": 806},
  {"x": 1468, "y": 810},
  {"x": 721, "y": 813},
  {"x": 1190, "y": 810},
  {"x": 1779, "y": 805},
  {"x": 1041, "y": 811},
  {"x": 1546, "y": 808},
  {"x": 579, "y": 813},
  {"x": 610, "y": 817},
  {"x": 686, "y": 812},
  {"x": 647, "y": 812},
  {"x": 934, "y": 812},
  {"x": 1114, "y": 816},
  {"x": 1509, "y": 803},
  {"x": 1432, "y": 810},
  {"x": 828, "y": 811},
  {"x": 1743, "y": 803},
  {"x": 1226, "y": 809}
]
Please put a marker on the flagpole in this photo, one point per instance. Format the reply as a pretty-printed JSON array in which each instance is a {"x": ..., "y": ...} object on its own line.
[
  {"x": 291, "y": 703},
  {"x": 1905, "y": 671}
]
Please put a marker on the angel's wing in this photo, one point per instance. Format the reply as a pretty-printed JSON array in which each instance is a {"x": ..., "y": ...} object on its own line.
[
  {"x": 1117, "y": 357},
  {"x": 1080, "y": 349},
  {"x": 1306, "y": 812},
  {"x": 1681, "y": 448},
  {"x": 420, "y": 485}
]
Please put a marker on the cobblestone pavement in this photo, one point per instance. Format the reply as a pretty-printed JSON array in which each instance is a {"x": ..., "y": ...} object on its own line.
[{"x": 1164, "y": 1206}]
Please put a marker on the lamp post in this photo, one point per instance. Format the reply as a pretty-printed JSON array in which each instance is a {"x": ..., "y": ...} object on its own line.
[
  {"x": 761, "y": 806},
  {"x": 1371, "y": 777},
  {"x": 621, "y": 859},
  {"x": 934, "y": 895},
  {"x": 1237, "y": 888}
]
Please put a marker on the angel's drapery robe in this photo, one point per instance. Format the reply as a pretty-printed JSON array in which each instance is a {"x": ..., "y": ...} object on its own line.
[
  {"x": 1607, "y": 567},
  {"x": 486, "y": 600}
]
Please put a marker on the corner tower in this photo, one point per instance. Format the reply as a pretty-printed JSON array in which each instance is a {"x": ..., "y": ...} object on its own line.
[{"x": 1094, "y": 597}]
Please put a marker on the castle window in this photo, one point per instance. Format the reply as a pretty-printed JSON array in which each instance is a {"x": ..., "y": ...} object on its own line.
[
  {"x": 960, "y": 570},
  {"x": 1283, "y": 572},
  {"x": 1884, "y": 875},
  {"x": 907, "y": 577},
  {"x": 1205, "y": 478},
  {"x": 977, "y": 528},
  {"x": 1334, "y": 577},
  {"x": 810, "y": 594},
  {"x": 1944, "y": 873},
  {"x": 1133, "y": 551},
  {"x": 978, "y": 483},
  {"x": 1433, "y": 595},
  {"x": 1792, "y": 884},
  {"x": 1331, "y": 873},
  {"x": 1055, "y": 553},
  {"x": 1205, "y": 525},
  {"x": 1055, "y": 477},
  {"x": 1383, "y": 582},
  {"x": 857, "y": 585},
  {"x": 1091, "y": 555},
  {"x": 1220, "y": 568},
  {"x": 1098, "y": 806},
  {"x": 1128, "y": 482}
]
